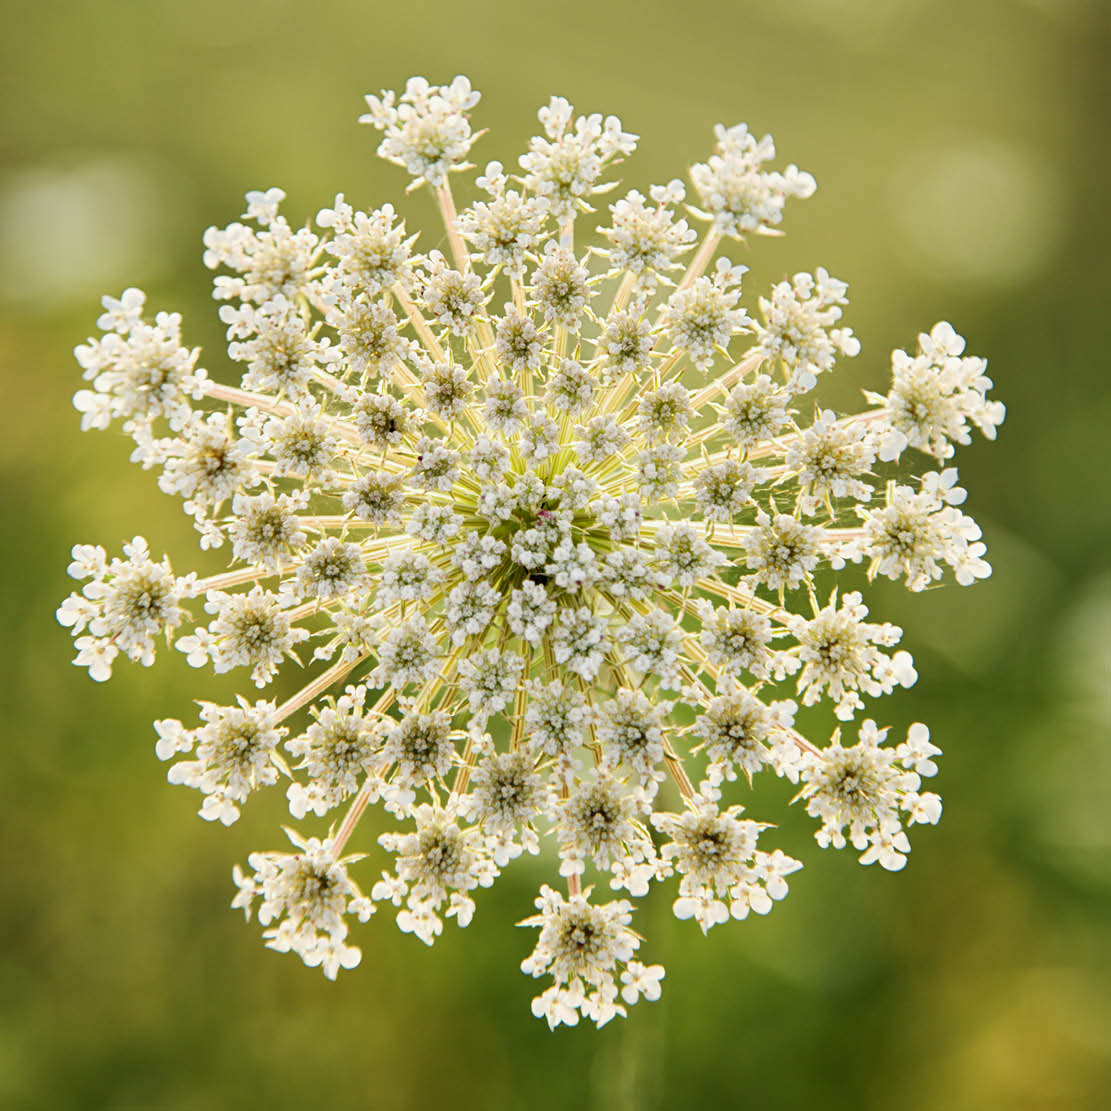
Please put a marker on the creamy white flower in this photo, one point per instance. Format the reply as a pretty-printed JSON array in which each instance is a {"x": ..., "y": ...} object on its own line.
[
  {"x": 139, "y": 375},
  {"x": 377, "y": 496},
  {"x": 796, "y": 329},
  {"x": 715, "y": 853},
  {"x": 840, "y": 655},
  {"x": 579, "y": 642},
  {"x": 420, "y": 747},
  {"x": 563, "y": 168},
  {"x": 581, "y": 946},
  {"x": 506, "y": 230},
  {"x": 915, "y": 532},
  {"x": 631, "y": 732},
  {"x": 736, "y": 193},
  {"x": 683, "y": 557},
  {"x": 507, "y": 795},
  {"x": 542, "y": 552},
  {"x": 438, "y": 863},
  {"x": 275, "y": 261},
  {"x": 407, "y": 654},
  {"x": 626, "y": 344},
  {"x": 452, "y": 298},
  {"x": 782, "y": 551},
  {"x": 369, "y": 337},
  {"x": 864, "y": 788},
  {"x": 331, "y": 570},
  {"x": 340, "y": 748},
  {"x": 653, "y": 645},
  {"x": 489, "y": 679},
  {"x": 600, "y": 821},
  {"x": 265, "y": 528},
  {"x": 570, "y": 388},
  {"x": 665, "y": 413},
  {"x": 235, "y": 750},
  {"x": 125, "y": 605},
  {"x": 828, "y": 458},
  {"x": 704, "y": 317},
  {"x": 426, "y": 129},
  {"x": 645, "y": 241},
  {"x": 280, "y": 354},
  {"x": 560, "y": 286},
  {"x": 756, "y": 411},
  {"x": 371, "y": 250},
  {"x": 309, "y": 894},
  {"x": 736, "y": 729},
  {"x": 249, "y": 630},
  {"x": 556, "y": 718},
  {"x": 204, "y": 464},
  {"x": 935, "y": 396}
]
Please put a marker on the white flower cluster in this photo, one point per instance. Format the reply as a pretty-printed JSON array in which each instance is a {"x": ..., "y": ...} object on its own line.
[
  {"x": 581, "y": 946},
  {"x": 308, "y": 893},
  {"x": 935, "y": 395},
  {"x": 427, "y": 130},
  {"x": 736, "y": 193},
  {"x": 868, "y": 789},
  {"x": 550, "y": 540},
  {"x": 715, "y": 853},
  {"x": 125, "y": 605}
]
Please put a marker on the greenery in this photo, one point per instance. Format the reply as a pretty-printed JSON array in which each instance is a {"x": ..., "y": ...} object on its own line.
[{"x": 961, "y": 154}]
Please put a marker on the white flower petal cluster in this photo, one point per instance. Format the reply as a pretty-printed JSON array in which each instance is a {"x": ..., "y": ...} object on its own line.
[
  {"x": 647, "y": 242},
  {"x": 426, "y": 129},
  {"x": 338, "y": 753},
  {"x": 736, "y": 193},
  {"x": 309, "y": 894},
  {"x": 840, "y": 656},
  {"x": 562, "y": 167},
  {"x": 702, "y": 318},
  {"x": 269, "y": 261},
  {"x": 936, "y": 395},
  {"x": 439, "y": 863},
  {"x": 581, "y": 946},
  {"x": 796, "y": 330},
  {"x": 236, "y": 753},
  {"x": 124, "y": 605},
  {"x": 874, "y": 791},
  {"x": 916, "y": 532},
  {"x": 715, "y": 853},
  {"x": 139, "y": 371},
  {"x": 546, "y": 526}
]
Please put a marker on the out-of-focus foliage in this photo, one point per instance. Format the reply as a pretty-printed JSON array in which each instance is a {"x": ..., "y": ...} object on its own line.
[{"x": 961, "y": 152}]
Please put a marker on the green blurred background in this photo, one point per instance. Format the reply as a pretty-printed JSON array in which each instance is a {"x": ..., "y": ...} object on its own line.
[{"x": 961, "y": 151}]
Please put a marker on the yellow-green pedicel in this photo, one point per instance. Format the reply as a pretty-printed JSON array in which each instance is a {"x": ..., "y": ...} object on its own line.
[{"x": 544, "y": 524}]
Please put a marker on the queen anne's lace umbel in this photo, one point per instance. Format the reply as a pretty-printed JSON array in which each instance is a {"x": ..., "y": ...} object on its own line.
[{"x": 556, "y": 539}]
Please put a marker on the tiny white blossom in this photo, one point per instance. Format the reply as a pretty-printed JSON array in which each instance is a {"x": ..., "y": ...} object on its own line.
[
  {"x": 235, "y": 750},
  {"x": 407, "y": 654},
  {"x": 715, "y": 853},
  {"x": 736, "y": 193},
  {"x": 308, "y": 893},
  {"x": 863, "y": 787},
  {"x": 426, "y": 129},
  {"x": 441, "y": 862},
  {"x": 840, "y": 655},
  {"x": 796, "y": 328},
  {"x": 249, "y": 630},
  {"x": 563, "y": 167},
  {"x": 124, "y": 605},
  {"x": 935, "y": 396}
]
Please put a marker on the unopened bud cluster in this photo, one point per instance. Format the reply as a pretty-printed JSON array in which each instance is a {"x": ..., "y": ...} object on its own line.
[{"x": 552, "y": 528}]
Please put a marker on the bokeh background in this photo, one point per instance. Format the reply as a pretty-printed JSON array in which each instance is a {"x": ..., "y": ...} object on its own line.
[{"x": 961, "y": 151}]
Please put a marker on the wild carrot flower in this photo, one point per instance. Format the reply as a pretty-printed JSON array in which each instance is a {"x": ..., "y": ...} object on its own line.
[{"x": 556, "y": 531}]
